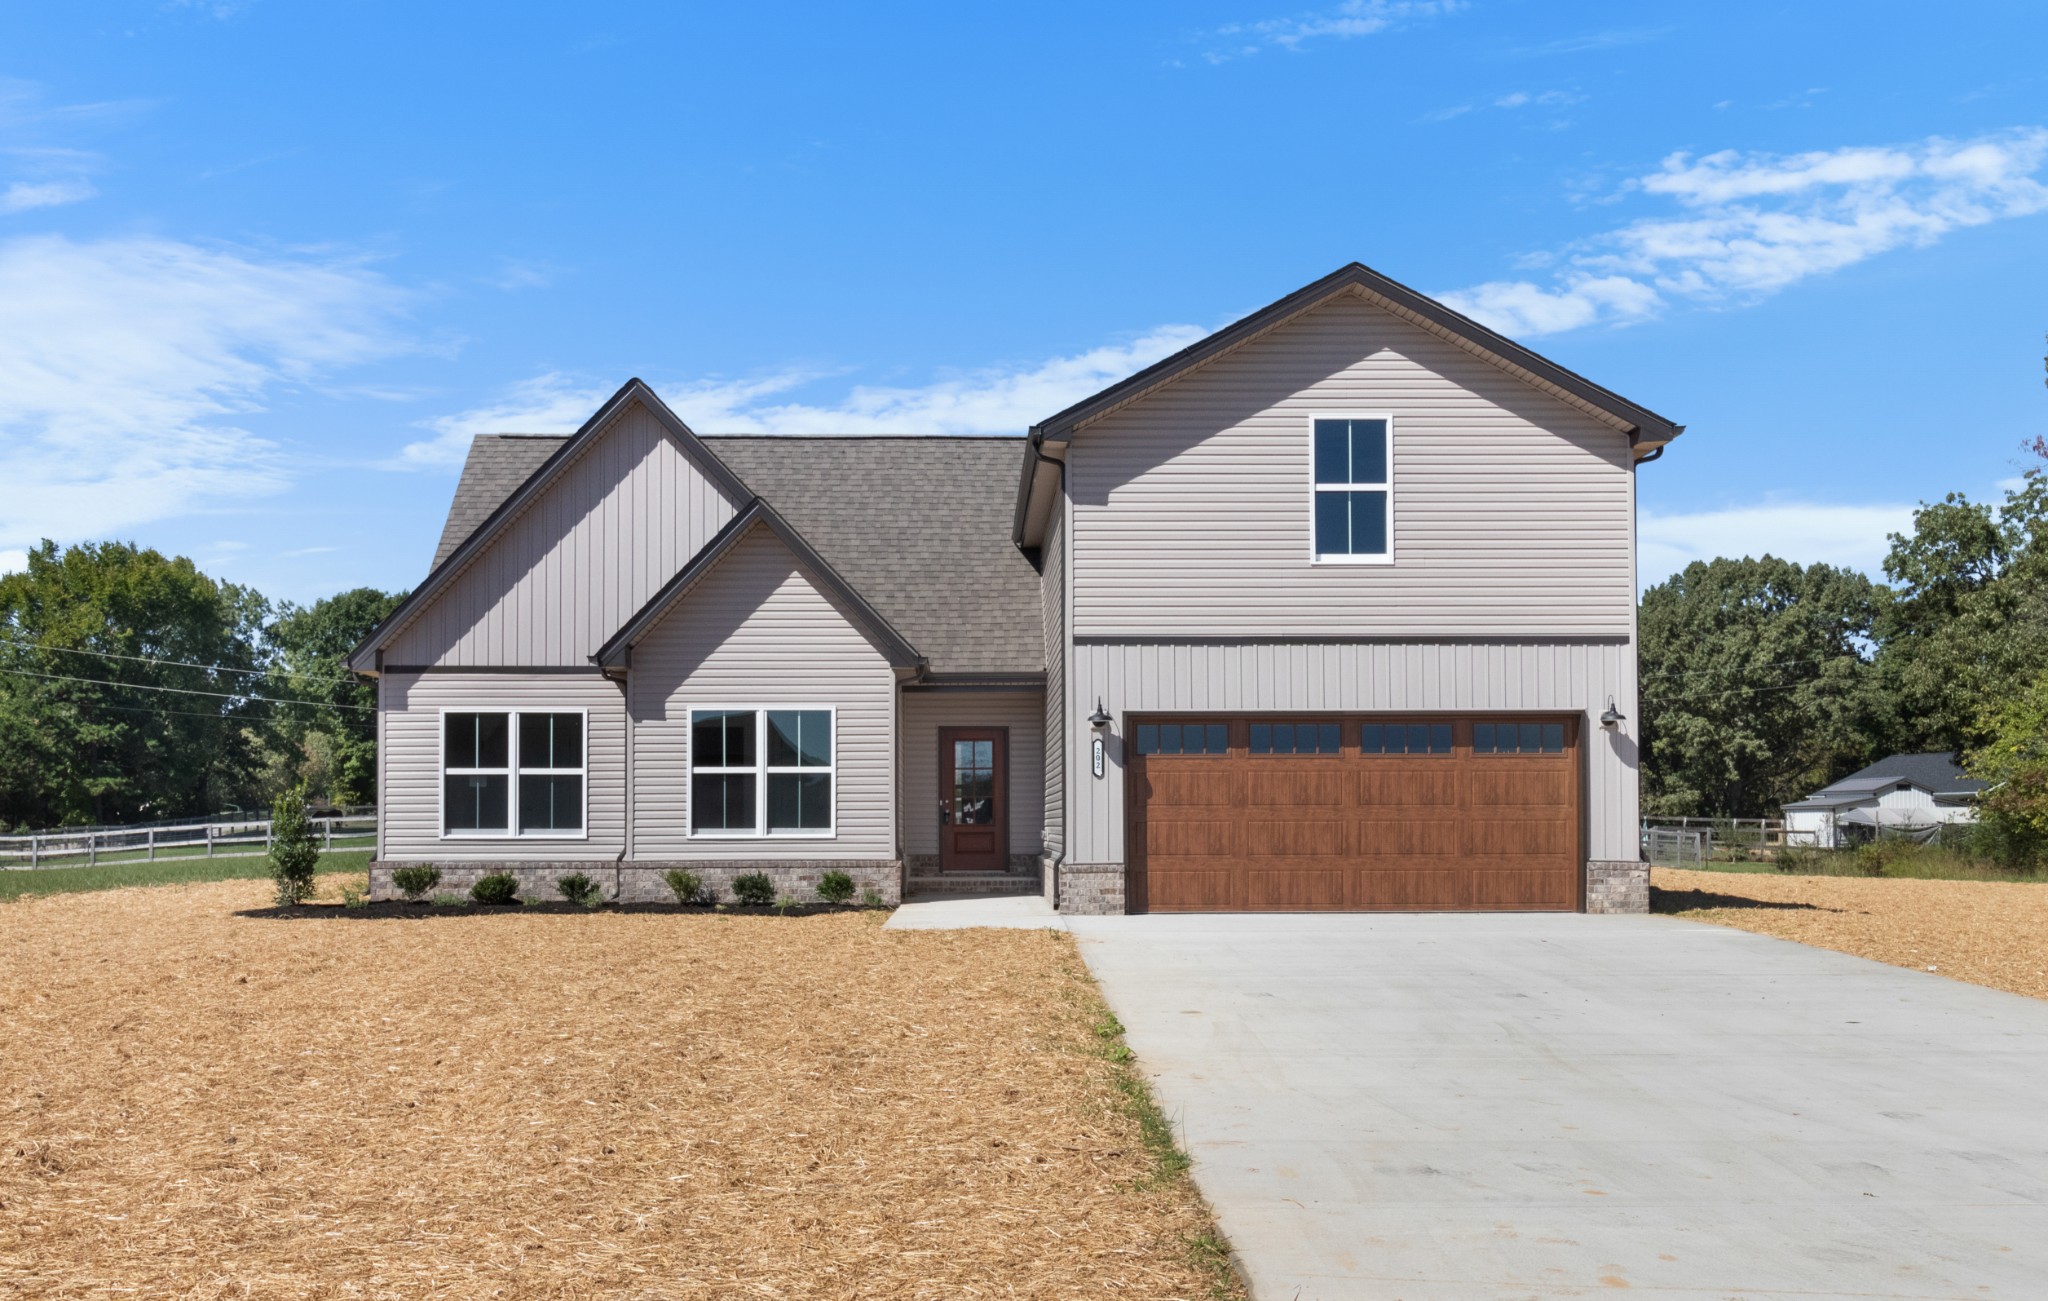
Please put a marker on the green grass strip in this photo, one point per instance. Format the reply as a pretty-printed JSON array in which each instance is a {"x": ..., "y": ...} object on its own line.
[{"x": 115, "y": 876}]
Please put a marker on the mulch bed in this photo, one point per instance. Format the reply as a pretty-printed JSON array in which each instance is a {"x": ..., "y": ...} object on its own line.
[
  {"x": 201, "y": 1100},
  {"x": 1986, "y": 932}
]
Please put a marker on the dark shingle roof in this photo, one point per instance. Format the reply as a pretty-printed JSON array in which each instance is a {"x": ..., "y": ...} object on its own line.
[
  {"x": 919, "y": 526},
  {"x": 1937, "y": 771},
  {"x": 497, "y": 465}
]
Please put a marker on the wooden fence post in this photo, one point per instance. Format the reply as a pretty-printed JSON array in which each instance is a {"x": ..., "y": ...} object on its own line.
[
  {"x": 92, "y": 848},
  {"x": 35, "y": 846},
  {"x": 209, "y": 840},
  {"x": 152, "y": 844}
]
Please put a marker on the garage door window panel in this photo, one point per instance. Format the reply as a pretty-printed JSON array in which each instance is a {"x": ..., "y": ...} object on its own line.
[
  {"x": 1404, "y": 738},
  {"x": 1505, "y": 736},
  {"x": 1184, "y": 738},
  {"x": 1295, "y": 738}
]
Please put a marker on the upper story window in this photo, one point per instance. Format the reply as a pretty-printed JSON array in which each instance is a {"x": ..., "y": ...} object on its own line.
[
  {"x": 1354, "y": 488},
  {"x": 510, "y": 773},
  {"x": 761, "y": 771}
]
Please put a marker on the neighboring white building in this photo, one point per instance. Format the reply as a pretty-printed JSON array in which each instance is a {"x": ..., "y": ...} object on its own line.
[{"x": 1906, "y": 792}]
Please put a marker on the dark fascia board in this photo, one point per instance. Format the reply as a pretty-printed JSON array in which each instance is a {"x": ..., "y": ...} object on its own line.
[
  {"x": 364, "y": 658},
  {"x": 617, "y": 651},
  {"x": 1644, "y": 424}
]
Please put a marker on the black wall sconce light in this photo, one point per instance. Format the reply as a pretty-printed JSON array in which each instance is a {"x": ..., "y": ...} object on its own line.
[{"x": 1610, "y": 717}]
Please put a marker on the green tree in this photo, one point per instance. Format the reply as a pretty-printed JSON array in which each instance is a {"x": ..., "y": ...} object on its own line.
[
  {"x": 124, "y": 685},
  {"x": 293, "y": 848},
  {"x": 1755, "y": 684},
  {"x": 1969, "y": 623},
  {"x": 334, "y": 746}
]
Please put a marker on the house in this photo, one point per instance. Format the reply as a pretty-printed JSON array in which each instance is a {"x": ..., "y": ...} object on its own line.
[
  {"x": 1906, "y": 793},
  {"x": 1334, "y": 609}
]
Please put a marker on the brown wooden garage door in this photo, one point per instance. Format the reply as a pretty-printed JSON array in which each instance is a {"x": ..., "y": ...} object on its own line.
[{"x": 1328, "y": 812}]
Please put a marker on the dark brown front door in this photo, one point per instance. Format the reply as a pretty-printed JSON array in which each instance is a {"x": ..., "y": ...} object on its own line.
[{"x": 974, "y": 814}]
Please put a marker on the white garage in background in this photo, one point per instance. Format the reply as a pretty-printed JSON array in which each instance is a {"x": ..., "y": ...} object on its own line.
[{"x": 1905, "y": 793}]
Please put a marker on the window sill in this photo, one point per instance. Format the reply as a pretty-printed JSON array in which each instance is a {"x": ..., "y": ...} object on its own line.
[
  {"x": 522, "y": 836},
  {"x": 1352, "y": 560},
  {"x": 756, "y": 836}
]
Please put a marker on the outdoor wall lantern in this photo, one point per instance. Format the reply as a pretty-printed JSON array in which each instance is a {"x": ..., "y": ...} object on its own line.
[
  {"x": 1610, "y": 717},
  {"x": 1100, "y": 721}
]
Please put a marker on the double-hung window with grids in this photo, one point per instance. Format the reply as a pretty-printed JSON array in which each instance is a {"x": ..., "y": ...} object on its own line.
[
  {"x": 1353, "y": 512},
  {"x": 513, "y": 772},
  {"x": 756, "y": 772}
]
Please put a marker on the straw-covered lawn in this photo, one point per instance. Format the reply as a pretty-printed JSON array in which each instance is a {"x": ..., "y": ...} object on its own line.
[
  {"x": 199, "y": 1103},
  {"x": 1986, "y": 932}
]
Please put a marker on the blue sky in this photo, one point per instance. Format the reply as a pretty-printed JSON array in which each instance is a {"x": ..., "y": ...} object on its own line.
[{"x": 264, "y": 267}]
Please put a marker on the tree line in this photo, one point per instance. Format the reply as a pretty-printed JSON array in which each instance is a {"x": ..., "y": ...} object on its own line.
[
  {"x": 1763, "y": 679},
  {"x": 135, "y": 688}
]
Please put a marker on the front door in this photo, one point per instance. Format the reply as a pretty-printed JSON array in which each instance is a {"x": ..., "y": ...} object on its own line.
[{"x": 974, "y": 814}]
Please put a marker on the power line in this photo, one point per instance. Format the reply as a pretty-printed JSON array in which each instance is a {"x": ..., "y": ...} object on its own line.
[
  {"x": 187, "y": 691},
  {"x": 150, "y": 659},
  {"x": 1700, "y": 673}
]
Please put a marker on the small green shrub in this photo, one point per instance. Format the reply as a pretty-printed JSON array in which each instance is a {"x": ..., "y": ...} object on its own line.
[
  {"x": 754, "y": 889},
  {"x": 498, "y": 887},
  {"x": 688, "y": 886},
  {"x": 835, "y": 887},
  {"x": 416, "y": 882},
  {"x": 580, "y": 890},
  {"x": 871, "y": 897},
  {"x": 450, "y": 901},
  {"x": 351, "y": 897},
  {"x": 785, "y": 902},
  {"x": 293, "y": 848}
]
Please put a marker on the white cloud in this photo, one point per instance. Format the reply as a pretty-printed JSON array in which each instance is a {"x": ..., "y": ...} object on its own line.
[
  {"x": 1806, "y": 532},
  {"x": 992, "y": 400},
  {"x": 13, "y": 560},
  {"x": 1512, "y": 100},
  {"x": 545, "y": 404},
  {"x": 1352, "y": 18},
  {"x": 23, "y": 195},
  {"x": 124, "y": 362},
  {"x": 1754, "y": 223}
]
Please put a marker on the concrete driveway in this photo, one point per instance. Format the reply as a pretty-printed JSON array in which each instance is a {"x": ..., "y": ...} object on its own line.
[{"x": 1556, "y": 1106}]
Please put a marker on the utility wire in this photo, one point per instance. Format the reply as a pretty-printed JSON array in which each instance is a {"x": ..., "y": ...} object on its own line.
[
  {"x": 187, "y": 691},
  {"x": 1779, "y": 664},
  {"x": 151, "y": 659}
]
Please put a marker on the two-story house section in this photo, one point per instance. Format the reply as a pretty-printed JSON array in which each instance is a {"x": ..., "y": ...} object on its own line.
[{"x": 1334, "y": 609}]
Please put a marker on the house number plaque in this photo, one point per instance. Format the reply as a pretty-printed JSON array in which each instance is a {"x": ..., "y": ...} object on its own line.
[{"x": 1098, "y": 756}]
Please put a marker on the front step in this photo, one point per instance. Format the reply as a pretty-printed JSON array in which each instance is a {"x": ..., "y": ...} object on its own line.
[{"x": 972, "y": 883}]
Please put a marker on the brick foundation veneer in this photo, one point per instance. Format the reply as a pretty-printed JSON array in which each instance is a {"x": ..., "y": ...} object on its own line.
[
  {"x": 644, "y": 882},
  {"x": 1091, "y": 889},
  {"x": 1613, "y": 887}
]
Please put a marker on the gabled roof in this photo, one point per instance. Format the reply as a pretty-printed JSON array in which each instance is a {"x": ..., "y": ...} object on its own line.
[
  {"x": 1645, "y": 428},
  {"x": 618, "y": 651},
  {"x": 497, "y": 464},
  {"x": 1935, "y": 772},
  {"x": 917, "y": 525},
  {"x": 1932, "y": 770},
  {"x": 364, "y": 657}
]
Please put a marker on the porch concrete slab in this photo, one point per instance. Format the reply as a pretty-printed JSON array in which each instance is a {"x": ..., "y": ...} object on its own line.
[
  {"x": 964, "y": 911},
  {"x": 1448, "y": 1107}
]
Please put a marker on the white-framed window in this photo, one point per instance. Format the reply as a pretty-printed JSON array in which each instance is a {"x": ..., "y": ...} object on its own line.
[
  {"x": 757, "y": 771},
  {"x": 1352, "y": 507},
  {"x": 509, "y": 772}
]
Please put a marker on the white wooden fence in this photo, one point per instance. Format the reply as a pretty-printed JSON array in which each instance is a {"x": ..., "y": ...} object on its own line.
[{"x": 246, "y": 839}]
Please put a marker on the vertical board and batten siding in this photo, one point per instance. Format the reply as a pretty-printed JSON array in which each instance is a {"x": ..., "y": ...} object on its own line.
[
  {"x": 409, "y": 774},
  {"x": 924, "y": 713},
  {"x": 756, "y": 631},
  {"x": 1576, "y": 677},
  {"x": 579, "y": 562},
  {"x": 1053, "y": 600},
  {"x": 1512, "y": 510}
]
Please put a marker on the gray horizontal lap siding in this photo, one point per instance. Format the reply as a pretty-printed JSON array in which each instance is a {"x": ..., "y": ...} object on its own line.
[
  {"x": 756, "y": 631},
  {"x": 1551, "y": 676},
  {"x": 1512, "y": 509},
  {"x": 579, "y": 562},
  {"x": 409, "y": 772},
  {"x": 925, "y": 712}
]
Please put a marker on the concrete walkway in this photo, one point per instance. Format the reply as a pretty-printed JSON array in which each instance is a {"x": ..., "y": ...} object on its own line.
[
  {"x": 958, "y": 912},
  {"x": 1426, "y": 1107}
]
